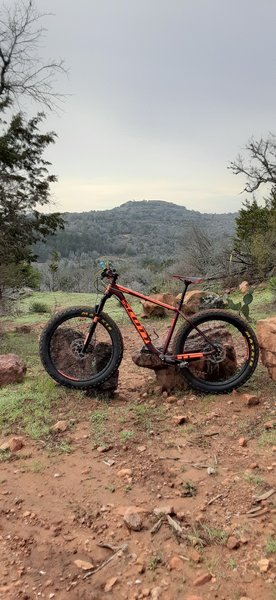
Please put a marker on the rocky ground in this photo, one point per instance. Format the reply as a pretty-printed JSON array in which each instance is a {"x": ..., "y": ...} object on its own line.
[{"x": 143, "y": 496}]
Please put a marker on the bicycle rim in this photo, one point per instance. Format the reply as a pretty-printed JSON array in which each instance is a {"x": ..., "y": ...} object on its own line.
[
  {"x": 67, "y": 357},
  {"x": 234, "y": 360}
]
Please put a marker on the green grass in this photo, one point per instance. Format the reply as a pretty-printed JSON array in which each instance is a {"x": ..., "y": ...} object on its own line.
[
  {"x": 27, "y": 407},
  {"x": 216, "y": 535},
  {"x": 98, "y": 426},
  {"x": 55, "y": 301},
  {"x": 267, "y": 438},
  {"x": 254, "y": 479},
  {"x": 126, "y": 435},
  {"x": 270, "y": 547}
]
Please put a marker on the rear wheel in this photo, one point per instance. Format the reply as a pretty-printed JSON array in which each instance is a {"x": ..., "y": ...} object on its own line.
[
  {"x": 61, "y": 346},
  {"x": 231, "y": 357}
]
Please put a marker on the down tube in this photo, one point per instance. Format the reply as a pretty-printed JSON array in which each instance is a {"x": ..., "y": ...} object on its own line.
[{"x": 138, "y": 326}]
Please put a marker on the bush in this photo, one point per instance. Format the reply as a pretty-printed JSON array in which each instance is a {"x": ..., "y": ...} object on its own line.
[
  {"x": 39, "y": 307},
  {"x": 272, "y": 285}
]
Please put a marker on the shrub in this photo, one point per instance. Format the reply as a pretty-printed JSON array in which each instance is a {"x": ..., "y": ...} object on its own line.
[
  {"x": 272, "y": 285},
  {"x": 39, "y": 307}
]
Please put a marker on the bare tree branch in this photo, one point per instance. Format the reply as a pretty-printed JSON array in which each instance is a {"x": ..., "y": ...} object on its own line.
[
  {"x": 260, "y": 167},
  {"x": 22, "y": 70}
]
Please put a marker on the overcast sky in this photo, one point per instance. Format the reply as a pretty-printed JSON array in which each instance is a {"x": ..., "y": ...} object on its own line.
[{"x": 163, "y": 95}]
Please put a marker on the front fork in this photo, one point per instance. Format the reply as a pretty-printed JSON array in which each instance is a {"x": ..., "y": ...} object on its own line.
[{"x": 92, "y": 328}]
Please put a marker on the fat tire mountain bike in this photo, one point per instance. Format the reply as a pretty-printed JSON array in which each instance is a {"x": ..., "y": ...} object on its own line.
[{"x": 214, "y": 350}]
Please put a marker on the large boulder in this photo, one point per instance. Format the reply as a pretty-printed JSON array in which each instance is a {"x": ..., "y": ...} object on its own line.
[
  {"x": 12, "y": 369},
  {"x": 169, "y": 377},
  {"x": 64, "y": 353},
  {"x": 266, "y": 332},
  {"x": 153, "y": 310},
  {"x": 196, "y": 300}
]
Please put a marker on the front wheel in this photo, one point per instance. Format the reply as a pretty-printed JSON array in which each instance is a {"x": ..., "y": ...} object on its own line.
[
  {"x": 61, "y": 348},
  {"x": 230, "y": 351}
]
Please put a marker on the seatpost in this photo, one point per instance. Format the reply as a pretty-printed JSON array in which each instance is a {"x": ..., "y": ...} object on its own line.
[{"x": 183, "y": 295}]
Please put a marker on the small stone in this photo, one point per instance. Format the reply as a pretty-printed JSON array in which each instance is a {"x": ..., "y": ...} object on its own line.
[
  {"x": 193, "y": 598},
  {"x": 176, "y": 563},
  {"x": 83, "y": 564},
  {"x": 264, "y": 565},
  {"x": 141, "y": 448},
  {"x": 14, "y": 444},
  {"x": 110, "y": 584},
  {"x": 270, "y": 425},
  {"x": 233, "y": 543},
  {"x": 250, "y": 399},
  {"x": 60, "y": 426},
  {"x": 163, "y": 510},
  {"x": 133, "y": 519},
  {"x": 204, "y": 578},
  {"x": 26, "y": 514},
  {"x": 242, "y": 442},
  {"x": 244, "y": 539},
  {"x": 125, "y": 473},
  {"x": 194, "y": 555},
  {"x": 155, "y": 593},
  {"x": 244, "y": 598},
  {"x": 145, "y": 592},
  {"x": 104, "y": 448},
  {"x": 180, "y": 419},
  {"x": 171, "y": 399}
]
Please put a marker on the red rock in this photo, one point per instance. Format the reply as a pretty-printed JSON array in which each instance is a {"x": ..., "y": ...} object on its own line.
[
  {"x": 124, "y": 473},
  {"x": 194, "y": 555},
  {"x": 83, "y": 564},
  {"x": 133, "y": 519},
  {"x": 233, "y": 543},
  {"x": 176, "y": 563},
  {"x": 180, "y": 419},
  {"x": 12, "y": 369},
  {"x": 264, "y": 564},
  {"x": 266, "y": 329},
  {"x": 244, "y": 287},
  {"x": 13, "y": 444},
  {"x": 60, "y": 426},
  {"x": 270, "y": 424},
  {"x": 242, "y": 442},
  {"x": 201, "y": 579},
  {"x": 153, "y": 310},
  {"x": 110, "y": 584},
  {"x": 250, "y": 399},
  {"x": 163, "y": 510}
]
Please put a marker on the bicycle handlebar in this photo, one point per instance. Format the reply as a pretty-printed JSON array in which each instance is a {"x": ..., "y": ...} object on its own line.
[{"x": 108, "y": 271}]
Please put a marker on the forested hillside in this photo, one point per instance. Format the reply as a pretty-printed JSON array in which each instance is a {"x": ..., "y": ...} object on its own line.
[{"x": 151, "y": 228}]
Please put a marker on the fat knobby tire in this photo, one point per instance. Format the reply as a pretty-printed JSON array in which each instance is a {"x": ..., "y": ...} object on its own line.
[
  {"x": 234, "y": 381},
  {"x": 66, "y": 315}
]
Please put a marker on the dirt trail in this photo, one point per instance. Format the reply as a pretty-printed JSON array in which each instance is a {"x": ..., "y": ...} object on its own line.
[{"x": 65, "y": 499}]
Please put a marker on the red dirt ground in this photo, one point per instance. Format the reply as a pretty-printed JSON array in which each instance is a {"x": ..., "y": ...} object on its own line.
[{"x": 57, "y": 507}]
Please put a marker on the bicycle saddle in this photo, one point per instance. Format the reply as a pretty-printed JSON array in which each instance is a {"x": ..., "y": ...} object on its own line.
[{"x": 188, "y": 280}]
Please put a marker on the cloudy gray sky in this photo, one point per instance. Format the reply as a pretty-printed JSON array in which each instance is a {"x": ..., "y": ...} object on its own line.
[{"x": 163, "y": 94}]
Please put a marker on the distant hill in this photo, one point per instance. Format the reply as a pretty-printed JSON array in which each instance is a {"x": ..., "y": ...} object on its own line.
[{"x": 154, "y": 227}]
